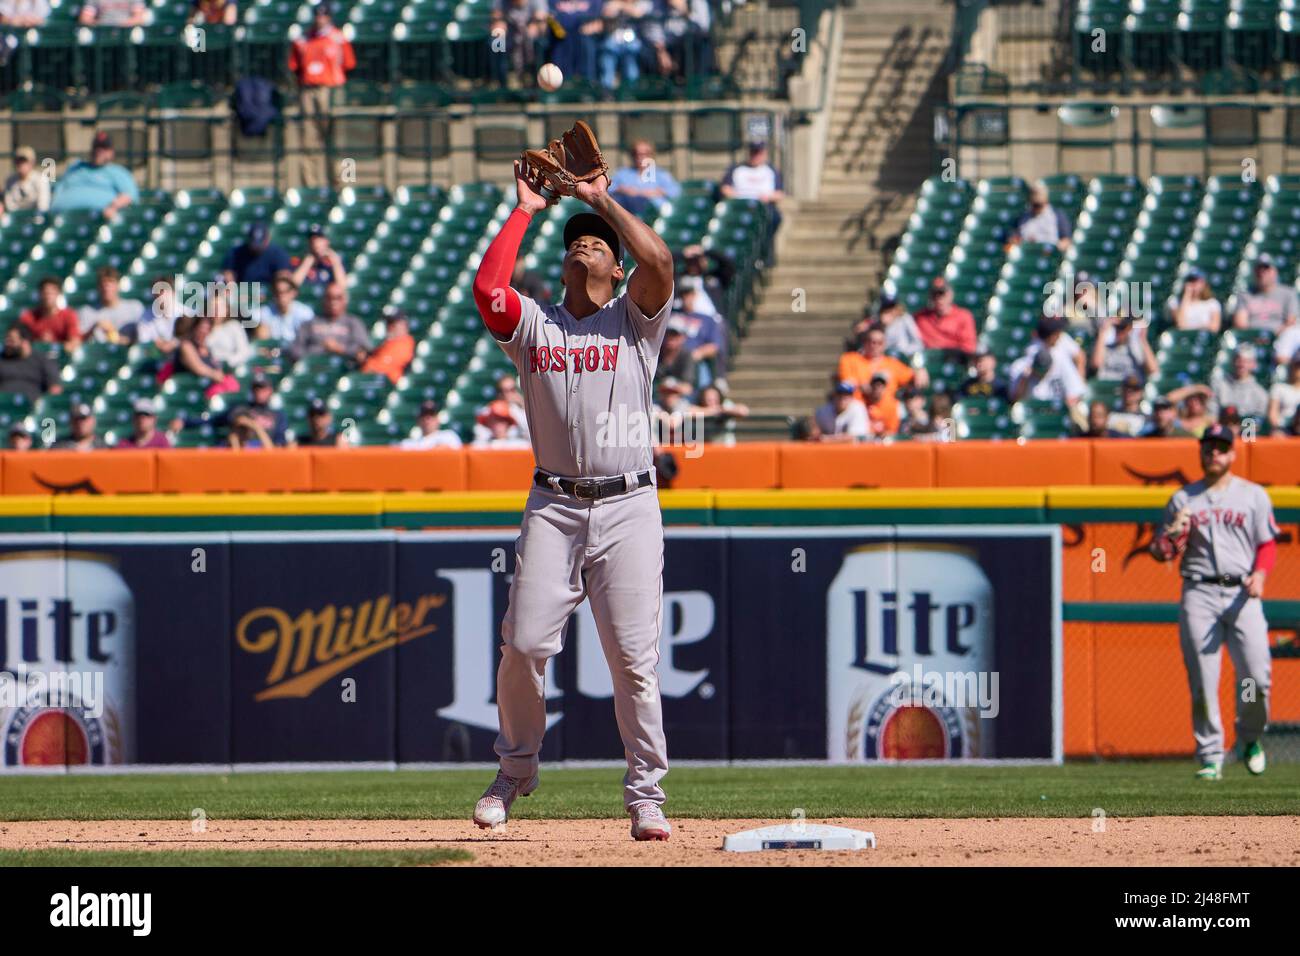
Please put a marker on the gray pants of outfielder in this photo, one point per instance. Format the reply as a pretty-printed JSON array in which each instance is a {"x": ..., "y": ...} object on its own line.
[
  {"x": 1211, "y": 615},
  {"x": 612, "y": 553}
]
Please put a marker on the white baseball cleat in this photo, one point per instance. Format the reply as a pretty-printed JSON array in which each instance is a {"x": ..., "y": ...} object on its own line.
[
  {"x": 648, "y": 821},
  {"x": 1252, "y": 754},
  {"x": 493, "y": 808}
]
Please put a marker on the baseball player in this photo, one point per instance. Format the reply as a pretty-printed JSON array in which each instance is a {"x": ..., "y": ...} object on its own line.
[
  {"x": 1223, "y": 527},
  {"x": 592, "y": 527}
]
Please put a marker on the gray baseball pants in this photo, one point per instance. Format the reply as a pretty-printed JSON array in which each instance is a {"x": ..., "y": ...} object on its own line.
[
  {"x": 611, "y": 552},
  {"x": 1209, "y": 616}
]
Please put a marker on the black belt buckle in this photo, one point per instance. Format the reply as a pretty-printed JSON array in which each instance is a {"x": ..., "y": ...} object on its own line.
[{"x": 586, "y": 490}]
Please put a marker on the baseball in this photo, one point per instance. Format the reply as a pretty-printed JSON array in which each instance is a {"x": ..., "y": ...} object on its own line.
[{"x": 549, "y": 77}]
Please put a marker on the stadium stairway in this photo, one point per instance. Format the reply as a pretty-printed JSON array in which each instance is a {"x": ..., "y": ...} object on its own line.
[{"x": 836, "y": 248}]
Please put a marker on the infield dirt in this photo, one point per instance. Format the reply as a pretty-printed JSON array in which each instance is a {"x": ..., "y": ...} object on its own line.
[{"x": 1131, "y": 841}]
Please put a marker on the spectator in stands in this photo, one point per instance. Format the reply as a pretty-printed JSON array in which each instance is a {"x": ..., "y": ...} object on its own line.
[
  {"x": 228, "y": 342},
  {"x": 916, "y": 417},
  {"x": 272, "y": 420},
  {"x": 672, "y": 405},
  {"x": 214, "y": 13},
  {"x": 806, "y": 429},
  {"x": 432, "y": 434},
  {"x": 508, "y": 391},
  {"x": 157, "y": 325},
  {"x": 1042, "y": 222},
  {"x": 881, "y": 399},
  {"x": 1239, "y": 388},
  {"x": 1267, "y": 304},
  {"x": 859, "y": 368},
  {"x": 320, "y": 428},
  {"x": 678, "y": 32},
  {"x": 114, "y": 319},
  {"x": 675, "y": 359},
  {"x": 574, "y": 46},
  {"x": 987, "y": 381},
  {"x": 1121, "y": 351},
  {"x": 714, "y": 270},
  {"x": 517, "y": 27},
  {"x": 247, "y": 430},
  {"x": 23, "y": 14},
  {"x": 843, "y": 418},
  {"x": 283, "y": 314},
  {"x": 20, "y": 439},
  {"x": 706, "y": 339},
  {"x": 334, "y": 331},
  {"x": 396, "y": 350},
  {"x": 1195, "y": 307},
  {"x": 756, "y": 179},
  {"x": 144, "y": 427},
  {"x": 321, "y": 60},
  {"x": 529, "y": 283},
  {"x": 1051, "y": 334},
  {"x": 620, "y": 48},
  {"x": 28, "y": 187},
  {"x": 714, "y": 404},
  {"x": 321, "y": 266},
  {"x": 49, "y": 320},
  {"x": 944, "y": 325},
  {"x": 1129, "y": 420},
  {"x": 23, "y": 369},
  {"x": 1098, "y": 425},
  {"x": 901, "y": 334},
  {"x": 256, "y": 259},
  {"x": 1164, "y": 421},
  {"x": 112, "y": 13},
  {"x": 1087, "y": 306},
  {"x": 1044, "y": 375},
  {"x": 82, "y": 435},
  {"x": 497, "y": 427},
  {"x": 1284, "y": 397},
  {"x": 100, "y": 184},
  {"x": 643, "y": 184},
  {"x": 1287, "y": 344},
  {"x": 1195, "y": 401},
  {"x": 194, "y": 357}
]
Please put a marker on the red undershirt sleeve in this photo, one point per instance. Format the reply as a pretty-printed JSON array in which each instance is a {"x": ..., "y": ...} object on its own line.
[
  {"x": 1265, "y": 555},
  {"x": 497, "y": 303}
]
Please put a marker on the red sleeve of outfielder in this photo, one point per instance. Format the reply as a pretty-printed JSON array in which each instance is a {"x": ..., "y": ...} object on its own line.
[
  {"x": 492, "y": 281},
  {"x": 1265, "y": 555}
]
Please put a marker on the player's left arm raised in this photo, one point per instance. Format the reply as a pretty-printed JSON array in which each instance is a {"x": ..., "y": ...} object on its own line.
[{"x": 652, "y": 280}]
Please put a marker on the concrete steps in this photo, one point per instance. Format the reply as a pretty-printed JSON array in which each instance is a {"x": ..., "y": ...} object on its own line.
[{"x": 877, "y": 153}]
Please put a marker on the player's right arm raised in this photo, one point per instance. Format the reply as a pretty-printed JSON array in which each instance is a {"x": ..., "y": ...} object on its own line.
[{"x": 497, "y": 303}]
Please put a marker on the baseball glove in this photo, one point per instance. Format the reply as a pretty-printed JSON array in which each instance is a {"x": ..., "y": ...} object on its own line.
[
  {"x": 1172, "y": 539},
  {"x": 572, "y": 159}
]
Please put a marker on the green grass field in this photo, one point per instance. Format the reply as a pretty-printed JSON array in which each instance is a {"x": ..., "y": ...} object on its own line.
[{"x": 1158, "y": 788}]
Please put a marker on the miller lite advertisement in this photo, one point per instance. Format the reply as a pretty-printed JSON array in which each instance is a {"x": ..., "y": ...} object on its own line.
[{"x": 382, "y": 646}]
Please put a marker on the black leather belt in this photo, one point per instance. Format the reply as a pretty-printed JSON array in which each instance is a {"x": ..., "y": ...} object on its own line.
[
  {"x": 590, "y": 489},
  {"x": 1227, "y": 580}
]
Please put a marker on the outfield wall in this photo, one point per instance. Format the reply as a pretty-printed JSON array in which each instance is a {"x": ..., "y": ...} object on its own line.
[{"x": 1122, "y": 689}]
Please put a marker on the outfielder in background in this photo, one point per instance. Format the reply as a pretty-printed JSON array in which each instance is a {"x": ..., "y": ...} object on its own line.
[
  {"x": 1223, "y": 527},
  {"x": 592, "y": 526}
]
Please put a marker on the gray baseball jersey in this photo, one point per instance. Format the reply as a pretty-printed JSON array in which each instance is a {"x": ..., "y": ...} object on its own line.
[
  {"x": 1227, "y": 526},
  {"x": 587, "y": 394},
  {"x": 587, "y": 385}
]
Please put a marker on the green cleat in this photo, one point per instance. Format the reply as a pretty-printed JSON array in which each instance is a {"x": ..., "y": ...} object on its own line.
[
  {"x": 1252, "y": 755},
  {"x": 1210, "y": 771}
]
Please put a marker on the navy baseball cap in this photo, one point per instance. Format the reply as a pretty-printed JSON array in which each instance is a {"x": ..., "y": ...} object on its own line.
[
  {"x": 317, "y": 407},
  {"x": 259, "y": 234},
  {"x": 590, "y": 224},
  {"x": 846, "y": 388},
  {"x": 1219, "y": 433}
]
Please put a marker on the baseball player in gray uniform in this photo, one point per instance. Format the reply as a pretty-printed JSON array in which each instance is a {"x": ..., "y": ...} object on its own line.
[
  {"x": 1223, "y": 527},
  {"x": 592, "y": 526}
]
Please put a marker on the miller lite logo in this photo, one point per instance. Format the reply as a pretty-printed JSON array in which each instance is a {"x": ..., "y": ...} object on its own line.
[
  {"x": 67, "y": 660},
  {"x": 909, "y": 652}
]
